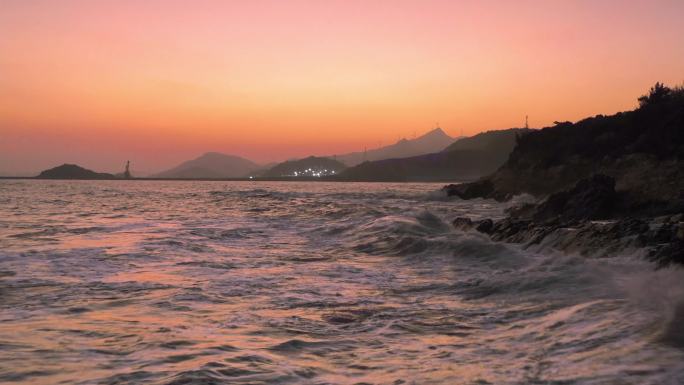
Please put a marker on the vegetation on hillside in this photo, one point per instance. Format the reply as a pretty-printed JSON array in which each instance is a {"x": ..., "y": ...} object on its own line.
[{"x": 642, "y": 149}]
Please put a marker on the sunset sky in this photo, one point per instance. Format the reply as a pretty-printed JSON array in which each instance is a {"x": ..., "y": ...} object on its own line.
[{"x": 99, "y": 82}]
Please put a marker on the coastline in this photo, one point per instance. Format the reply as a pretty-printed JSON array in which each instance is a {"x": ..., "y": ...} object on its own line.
[
  {"x": 271, "y": 179},
  {"x": 586, "y": 220}
]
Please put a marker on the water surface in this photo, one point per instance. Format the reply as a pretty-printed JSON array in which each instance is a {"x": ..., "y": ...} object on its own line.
[{"x": 140, "y": 282}]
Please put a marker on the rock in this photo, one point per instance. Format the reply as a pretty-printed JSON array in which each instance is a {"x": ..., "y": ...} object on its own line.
[
  {"x": 510, "y": 230},
  {"x": 629, "y": 227},
  {"x": 524, "y": 211},
  {"x": 465, "y": 224},
  {"x": 485, "y": 226},
  {"x": 668, "y": 253},
  {"x": 480, "y": 189},
  {"x": 591, "y": 198},
  {"x": 677, "y": 218},
  {"x": 462, "y": 223}
]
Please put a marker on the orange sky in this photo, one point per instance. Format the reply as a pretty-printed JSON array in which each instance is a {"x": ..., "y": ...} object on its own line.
[{"x": 97, "y": 82}]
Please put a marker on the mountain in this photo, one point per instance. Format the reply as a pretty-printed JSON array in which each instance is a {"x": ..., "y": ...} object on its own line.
[
  {"x": 465, "y": 159},
  {"x": 212, "y": 165},
  {"x": 72, "y": 171},
  {"x": 499, "y": 142},
  {"x": 310, "y": 167},
  {"x": 433, "y": 141},
  {"x": 641, "y": 150}
]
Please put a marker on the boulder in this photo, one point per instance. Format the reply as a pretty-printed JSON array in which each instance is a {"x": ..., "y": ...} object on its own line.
[
  {"x": 485, "y": 226},
  {"x": 462, "y": 223},
  {"x": 480, "y": 189},
  {"x": 589, "y": 199}
]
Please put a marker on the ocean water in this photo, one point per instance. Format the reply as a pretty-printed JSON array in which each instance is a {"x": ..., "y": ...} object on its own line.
[{"x": 137, "y": 282}]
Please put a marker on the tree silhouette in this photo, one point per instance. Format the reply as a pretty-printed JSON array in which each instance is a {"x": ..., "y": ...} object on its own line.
[{"x": 658, "y": 93}]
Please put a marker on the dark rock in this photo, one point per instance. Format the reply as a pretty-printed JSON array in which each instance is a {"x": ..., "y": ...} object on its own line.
[
  {"x": 591, "y": 198},
  {"x": 480, "y": 189},
  {"x": 485, "y": 226},
  {"x": 510, "y": 229},
  {"x": 524, "y": 211},
  {"x": 630, "y": 227},
  {"x": 668, "y": 253},
  {"x": 462, "y": 223}
]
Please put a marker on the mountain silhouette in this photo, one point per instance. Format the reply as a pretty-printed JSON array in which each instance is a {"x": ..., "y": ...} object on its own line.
[
  {"x": 72, "y": 171},
  {"x": 212, "y": 165},
  {"x": 642, "y": 150},
  {"x": 465, "y": 159},
  {"x": 312, "y": 166},
  {"x": 433, "y": 141}
]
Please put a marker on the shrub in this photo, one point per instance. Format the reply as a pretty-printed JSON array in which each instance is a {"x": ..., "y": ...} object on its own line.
[{"x": 658, "y": 93}]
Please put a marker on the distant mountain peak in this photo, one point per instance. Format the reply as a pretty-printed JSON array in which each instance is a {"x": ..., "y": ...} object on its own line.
[
  {"x": 215, "y": 154},
  {"x": 467, "y": 159},
  {"x": 211, "y": 165},
  {"x": 434, "y": 140},
  {"x": 436, "y": 131}
]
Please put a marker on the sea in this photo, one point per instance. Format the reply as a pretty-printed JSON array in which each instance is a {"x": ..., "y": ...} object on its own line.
[{"x": 189, "y": 282}]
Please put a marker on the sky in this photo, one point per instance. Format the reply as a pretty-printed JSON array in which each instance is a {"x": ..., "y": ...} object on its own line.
[{"x": 157, "y": 82}]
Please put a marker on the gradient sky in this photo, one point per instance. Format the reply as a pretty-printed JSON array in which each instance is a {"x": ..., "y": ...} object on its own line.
[{"x": 97, "y": 82}]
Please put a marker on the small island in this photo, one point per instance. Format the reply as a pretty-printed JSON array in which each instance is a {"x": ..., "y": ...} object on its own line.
[{"x": 72, "y": 171}]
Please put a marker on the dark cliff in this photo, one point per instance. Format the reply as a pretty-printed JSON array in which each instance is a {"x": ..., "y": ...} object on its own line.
[{"x": 643, "y": 150}]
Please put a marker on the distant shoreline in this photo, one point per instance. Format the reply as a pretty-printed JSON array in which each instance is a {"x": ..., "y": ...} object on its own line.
[{"x": 284, "y": 179}]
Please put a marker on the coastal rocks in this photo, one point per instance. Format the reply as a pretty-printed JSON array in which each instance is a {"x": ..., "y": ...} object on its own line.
[
  {"x": 659, "y": 239},
  {"x": 466, "y": 224},
  {"x": 479, "y": 189},
  {"x": 590, "y": 198},
  {"x": 462, "y": 223},
  {"x": 611, "y": 183},
  {"x": 668, "y": 240},
  {"x": 485, "y": 226},
  {"x": 575, "y": 220}
]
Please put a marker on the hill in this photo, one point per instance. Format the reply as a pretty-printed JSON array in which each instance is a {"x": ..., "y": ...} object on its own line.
[
  {"x": 433, "y": 141},
  {"x": 608, "y": 185},
  {"x": 72, "y": 171},
  {"x": 495, "y": 141},
  {"x": 311, "y": 167},
  {"x": 642, "y": 150},
  {"x": 465, "y": 159},
  {"x": 212, "y": 165}
]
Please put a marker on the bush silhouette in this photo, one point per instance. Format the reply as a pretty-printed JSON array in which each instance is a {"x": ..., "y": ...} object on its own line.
[{"x": 657, "y": 94}]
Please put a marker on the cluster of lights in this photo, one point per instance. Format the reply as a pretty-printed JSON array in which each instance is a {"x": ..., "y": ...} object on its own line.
[{"x": 313, "y": 172}]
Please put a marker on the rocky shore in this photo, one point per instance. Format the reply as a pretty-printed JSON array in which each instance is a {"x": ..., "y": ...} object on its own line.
[
  {"x": 579, "y": 220},
  {"x": 605, "y": 185}
]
